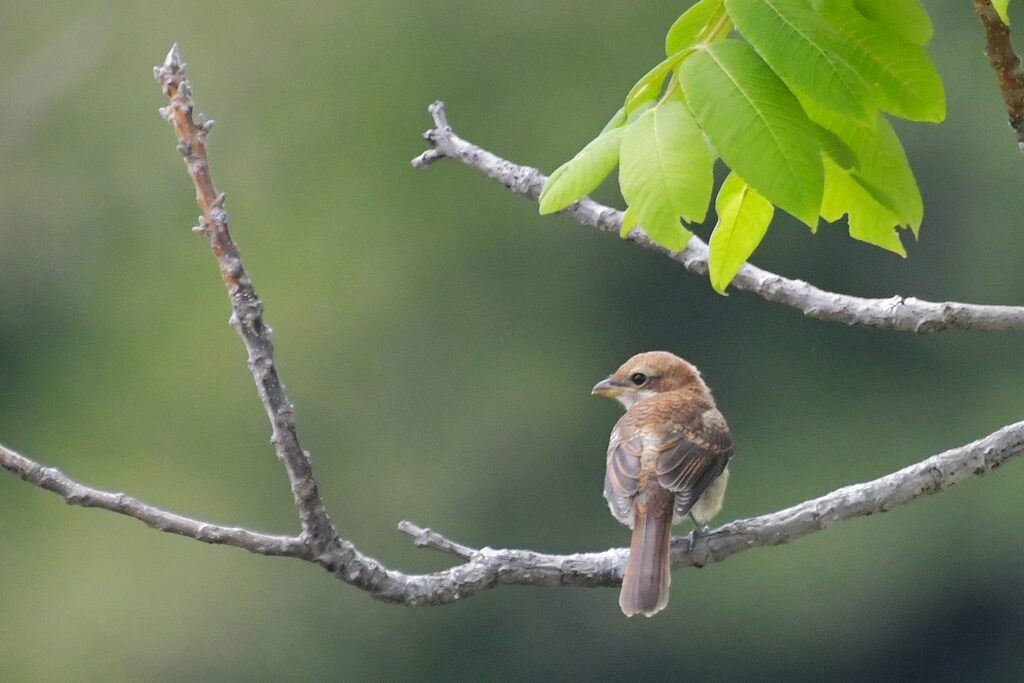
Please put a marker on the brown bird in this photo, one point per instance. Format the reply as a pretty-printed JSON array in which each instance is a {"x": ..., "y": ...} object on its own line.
[{"x": 668, "y": 458}]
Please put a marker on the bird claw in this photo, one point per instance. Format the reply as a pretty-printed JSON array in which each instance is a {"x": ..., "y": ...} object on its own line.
[{"x": 699, "y": 531}]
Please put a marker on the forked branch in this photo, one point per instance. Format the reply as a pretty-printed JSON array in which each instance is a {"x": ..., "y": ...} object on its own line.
[
  {"x": 320, "y": 543},
  {"x": 486, "y": 568}
]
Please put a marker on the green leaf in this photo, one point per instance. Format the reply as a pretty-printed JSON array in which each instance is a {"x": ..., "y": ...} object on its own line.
[
  {"x": 905, "y": 18},
  {"x": 805, "y": 51},
  {"x": 639, "y": 111},
  {"x": 835, "y": 148},
  {"x": 868, "y": 220},
  {"x": 756, "y": 125},
  {"x": 904, "y": 78},
  {"x": 695, "y": 24},
  {"x": 743, "y": 218},
  {"x": 1000, "y": 7},
  {"x": 666, "y": 172},
  {"x": 649, "y": 87},
  {"x": 583, "y": 173},
  {"x": 643, "y": 94},
  {"x": 617, "y": 120},
  {"x": 883, "y": 169},
  {"x": 628, "y": 222}
]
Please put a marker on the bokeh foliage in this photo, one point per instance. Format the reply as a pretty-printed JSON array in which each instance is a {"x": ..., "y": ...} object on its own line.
[{"x": 440, "y": 339}]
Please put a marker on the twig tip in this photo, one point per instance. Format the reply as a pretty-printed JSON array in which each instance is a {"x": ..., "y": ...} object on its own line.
[
  {"x": 173, "y": 58},
  {"x": 407, "y": 527},
  {"x": 438, "y": 113}
]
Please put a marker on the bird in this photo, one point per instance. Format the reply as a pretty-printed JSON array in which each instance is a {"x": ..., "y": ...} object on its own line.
[{"x": 668, "y": 459}]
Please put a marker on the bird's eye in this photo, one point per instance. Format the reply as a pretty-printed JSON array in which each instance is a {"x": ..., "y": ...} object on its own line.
[{"x": 638, "y": 378}]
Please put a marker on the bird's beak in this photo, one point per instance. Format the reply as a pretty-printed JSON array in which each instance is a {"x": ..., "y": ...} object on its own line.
[{"x": 607, "y": 387}]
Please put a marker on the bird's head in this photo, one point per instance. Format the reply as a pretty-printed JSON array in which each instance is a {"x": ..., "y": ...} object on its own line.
[{"x": 647, "y": 374}]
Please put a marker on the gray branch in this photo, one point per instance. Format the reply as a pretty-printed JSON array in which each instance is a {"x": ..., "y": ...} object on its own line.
[
  {"x": 486, "y": 568},
  {"x": 246, "y": 307},
  {"x": 904, "y": 314},
  {"x": 482, "y": 568},
  {"x": 74, "y": 493}
]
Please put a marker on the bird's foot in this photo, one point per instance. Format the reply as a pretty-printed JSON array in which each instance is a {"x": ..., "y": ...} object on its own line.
[{"x": 699, "y": 531}]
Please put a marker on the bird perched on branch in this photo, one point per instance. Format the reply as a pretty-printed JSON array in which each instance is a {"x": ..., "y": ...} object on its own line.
[{"x": 668, "y": 458}]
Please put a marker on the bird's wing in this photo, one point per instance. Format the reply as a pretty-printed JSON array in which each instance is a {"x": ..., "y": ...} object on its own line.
[
  {"x": 696, "y": 449},
  {"x": 622, "y": 474}
]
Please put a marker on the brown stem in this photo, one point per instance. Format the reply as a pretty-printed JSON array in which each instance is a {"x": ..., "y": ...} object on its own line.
[
  {"x": 1005, "y": 63},
  {"x": 246, "y": 307}
]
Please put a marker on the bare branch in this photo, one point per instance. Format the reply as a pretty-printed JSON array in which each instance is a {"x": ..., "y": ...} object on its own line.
[
  {"x": 428, "y": 538},
  {"x": 1005, "y": 63},
  {"x": 904, "y": 314},
  {"x": 246, "y": 307},
  {"x": 76, "y": 494},
  {"x": 486, "y": 568}
]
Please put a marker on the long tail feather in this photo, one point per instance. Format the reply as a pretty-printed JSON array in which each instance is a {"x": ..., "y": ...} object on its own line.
[{"x": 646, "y": 581}]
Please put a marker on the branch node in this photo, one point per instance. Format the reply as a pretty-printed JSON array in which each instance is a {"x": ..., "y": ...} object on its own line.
[{"x": 423, "y": 537}]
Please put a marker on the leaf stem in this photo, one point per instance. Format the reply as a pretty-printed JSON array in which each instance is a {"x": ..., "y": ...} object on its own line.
[
  {"x": 722, "y": 23},
  {"x": 673, "y": 85}
]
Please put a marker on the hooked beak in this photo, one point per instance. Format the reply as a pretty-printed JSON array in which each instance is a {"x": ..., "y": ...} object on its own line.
[{"x": 607, "y": 387}]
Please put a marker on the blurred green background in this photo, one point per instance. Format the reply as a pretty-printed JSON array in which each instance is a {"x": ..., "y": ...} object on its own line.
[{"x": 440, "y": 339}]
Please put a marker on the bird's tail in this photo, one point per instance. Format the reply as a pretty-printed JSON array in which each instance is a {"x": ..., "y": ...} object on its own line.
[{"x": 647, "y": 578}]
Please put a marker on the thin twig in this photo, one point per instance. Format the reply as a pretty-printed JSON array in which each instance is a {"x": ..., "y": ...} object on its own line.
[
  {"x": 904, "y": 314},
  {"x": 428, "y": 538},
  {"x": 1005, "y": 63},
  {"x": 77, "y": 494},
  {"x": 246, "y": 307}
]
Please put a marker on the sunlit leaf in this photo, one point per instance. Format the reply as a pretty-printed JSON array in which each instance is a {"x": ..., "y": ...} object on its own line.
[
  {"x": 628, "y": 222},
  {"x": 904, "y": 78},
  {"x": 835, "y": 148},
  {"x": 695, "y": 24},
  {"x": 1000, "y": 7},
  {"x": 617, "y": 120},
  {"x": 805, "y": 51},
  {"x": 868, "y": 220},
  {"x": 650, "y": 86},
  {"x": 639, "y": 111},
  {"x": 882, "y": 163},
  {"x": 905, "y": 18},
  {"x": 756, "y": 125},
  {"x": 743, "y": 218},
  {"x": 583, "y": 173},
  {"x": 666, "y": 172}
]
